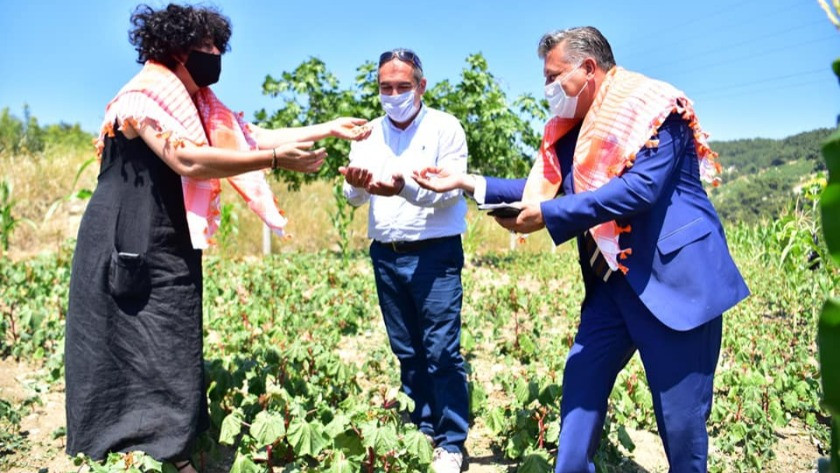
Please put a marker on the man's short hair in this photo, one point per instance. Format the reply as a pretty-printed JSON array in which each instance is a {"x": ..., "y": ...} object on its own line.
[
  {"x": 407, "y": 56},
  {"x": 580, "y": 42}
]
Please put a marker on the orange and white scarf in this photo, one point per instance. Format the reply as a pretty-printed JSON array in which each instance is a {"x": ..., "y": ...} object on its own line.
[
  {"x": 627, "y": 111},
  {"x": 156, "y": 97}
]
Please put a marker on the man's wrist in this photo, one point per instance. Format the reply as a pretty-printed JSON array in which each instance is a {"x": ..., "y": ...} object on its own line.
[
  {"x": 409, "y": 189},
  {"x": 467, "y": 183}
]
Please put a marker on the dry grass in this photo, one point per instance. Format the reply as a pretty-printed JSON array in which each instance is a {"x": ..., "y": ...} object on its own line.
[{"x": 41, "y": 181}]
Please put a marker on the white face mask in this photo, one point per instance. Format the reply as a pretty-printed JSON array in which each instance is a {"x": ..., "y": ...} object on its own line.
[
  {"x": 399, "y": 108},
  {"x": 559, "y": 103}
]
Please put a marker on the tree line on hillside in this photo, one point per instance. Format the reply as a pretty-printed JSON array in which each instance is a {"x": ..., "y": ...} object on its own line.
[
  {"x": 750, "y": 156},
  {"x": 24, "y": 136},
  {"x": 763, "y": 177}
]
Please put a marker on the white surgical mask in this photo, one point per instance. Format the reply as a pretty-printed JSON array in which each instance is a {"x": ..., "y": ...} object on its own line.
[
  {"x": 559, "y": 103},
  {"x": 399, "y": 108}
]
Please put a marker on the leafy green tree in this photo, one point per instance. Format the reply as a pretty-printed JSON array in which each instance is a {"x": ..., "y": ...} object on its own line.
[
  {"x": 20, "y": 136},
  {"x": 500, "y": 135},
  {"x": 64, "y": 136},
  {"x": 11, "y": 131},
  {"x": 33, "y": 136}
]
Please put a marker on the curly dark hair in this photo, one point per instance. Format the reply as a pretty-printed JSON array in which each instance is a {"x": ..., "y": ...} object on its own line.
[{"x": 176, "y": 29}]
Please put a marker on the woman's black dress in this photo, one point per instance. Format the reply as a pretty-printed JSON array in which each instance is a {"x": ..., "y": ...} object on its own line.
[{"x": 133, "y": 347}]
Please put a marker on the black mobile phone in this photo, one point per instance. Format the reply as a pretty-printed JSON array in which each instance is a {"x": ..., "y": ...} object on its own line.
[{"x": 505, "y": 212}]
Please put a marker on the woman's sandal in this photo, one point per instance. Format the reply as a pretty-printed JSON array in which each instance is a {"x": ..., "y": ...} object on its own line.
[{"x": 183, "y": 465}]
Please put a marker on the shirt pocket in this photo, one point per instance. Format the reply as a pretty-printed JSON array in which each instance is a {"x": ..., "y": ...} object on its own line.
[
  {"x": 427, "y": 155},
  {"x": 692, "y": 231}
]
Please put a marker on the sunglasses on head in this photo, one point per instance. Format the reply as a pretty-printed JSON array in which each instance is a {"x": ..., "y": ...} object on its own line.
[{"x": 403, "y": 55}]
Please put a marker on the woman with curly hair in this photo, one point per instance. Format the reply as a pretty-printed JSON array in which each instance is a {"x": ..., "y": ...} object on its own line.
[{"x": 133, "y": 347}]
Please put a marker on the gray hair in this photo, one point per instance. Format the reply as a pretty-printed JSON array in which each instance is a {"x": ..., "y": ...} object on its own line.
[
  {"x": 580, "y": 42},
  {"x": 404, "y": 55}
]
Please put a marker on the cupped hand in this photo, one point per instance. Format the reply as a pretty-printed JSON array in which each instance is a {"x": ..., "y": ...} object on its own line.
[
  {"x": 356, "y": 177},
  {"x": 298, "y": 156},
  {"x": 528, "y": 221},
  {"x": 392, "y": 186},
  {"x": 349, "y": 128}
]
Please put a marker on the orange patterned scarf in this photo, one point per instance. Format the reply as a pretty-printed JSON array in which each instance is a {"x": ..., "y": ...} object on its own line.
[
  {"x": 627, "y": 111},
  {"x": 156, "y": 97}
]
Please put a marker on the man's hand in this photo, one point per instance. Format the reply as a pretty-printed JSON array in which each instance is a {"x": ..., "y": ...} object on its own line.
[
  {"x": 441, "y": 180},
  {"x": 528, "y": 221},
  {"x": 356, "y": 177},
  {"x": 348, "y": 128},
  {"x": 387, "y": 188}
]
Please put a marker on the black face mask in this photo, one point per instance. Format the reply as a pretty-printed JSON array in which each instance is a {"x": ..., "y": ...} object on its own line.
[{"x": 204, "y": 68}]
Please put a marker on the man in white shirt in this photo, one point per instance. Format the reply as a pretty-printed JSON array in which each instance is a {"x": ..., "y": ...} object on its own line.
[{"x": 416, "y": 250}]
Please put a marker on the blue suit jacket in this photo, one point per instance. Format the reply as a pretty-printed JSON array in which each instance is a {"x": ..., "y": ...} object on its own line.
[{"x": 680, "y": 266}]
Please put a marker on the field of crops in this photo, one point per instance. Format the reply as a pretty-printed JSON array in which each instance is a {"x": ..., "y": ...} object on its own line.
[{"x": 300, "y": 376}]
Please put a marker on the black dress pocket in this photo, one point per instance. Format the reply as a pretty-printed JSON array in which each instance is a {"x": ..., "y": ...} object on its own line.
[{"x": 129, "y": 275}]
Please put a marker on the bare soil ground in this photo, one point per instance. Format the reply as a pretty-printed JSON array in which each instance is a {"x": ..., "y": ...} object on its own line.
[{"x": 45, "y": 420}]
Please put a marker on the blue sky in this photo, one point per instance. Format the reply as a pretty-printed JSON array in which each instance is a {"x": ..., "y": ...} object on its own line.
[{"x": 755, "y": 68}]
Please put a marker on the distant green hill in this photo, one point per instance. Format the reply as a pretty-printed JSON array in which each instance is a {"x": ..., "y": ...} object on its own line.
[{"x": 760, "y": 175}]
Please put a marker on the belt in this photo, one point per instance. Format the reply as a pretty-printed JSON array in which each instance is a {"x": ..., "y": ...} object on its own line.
[{"x": 412, "y": 246}]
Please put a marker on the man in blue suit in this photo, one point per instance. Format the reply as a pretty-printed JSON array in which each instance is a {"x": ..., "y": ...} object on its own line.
[{"x": 666, "y": 297}]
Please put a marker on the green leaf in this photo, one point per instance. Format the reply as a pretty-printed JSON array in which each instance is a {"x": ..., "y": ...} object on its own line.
[
  {"x": 830, "y": 209},
  {"x": 550, "y": 394},
  {"x": 496, "y": 421},
  {"x": 306, "y": 438},
  {"x": 267, "y": 428},
  {"x": 467, "y": 340},
  {"x": 478, "y": 397},
  {"x": 625, "y": 440},
  {"x": 552, "y": 434},
  {"x": 418, "y": 445},
  {"x": 537, "y": 462},
  {"x": 148, "y": 464},
  {"x": 337, "y": 425},
  {"x": 381, "y": 439},
  {"x": 231, "y": 427},
  {"x": 341, "y": 464},
  {"x": 830, "y": 198},
  {"x": 349, "y": 442},
  {"x": 522, "y": 391},
  {"x": 828, "y": 342},
  {"x": 404, "y": 402},
  {"x": 527, "y": 344},
  {"x": 243, "y": 464}
]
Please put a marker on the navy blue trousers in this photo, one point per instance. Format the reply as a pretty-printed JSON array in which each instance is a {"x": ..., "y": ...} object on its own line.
[
  {"x": 420, "y": 296},
  {"x": 679, "y": 367}
]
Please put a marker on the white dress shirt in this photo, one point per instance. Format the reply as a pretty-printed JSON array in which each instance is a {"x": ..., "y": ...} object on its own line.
[{"x": 433, "y": 138}]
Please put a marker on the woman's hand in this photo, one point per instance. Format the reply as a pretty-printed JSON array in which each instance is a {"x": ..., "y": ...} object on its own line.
[
  {"x": 440, "y": 180},
  {"x": 297, "y": 157},
  {"x": 348, "y": 128}
]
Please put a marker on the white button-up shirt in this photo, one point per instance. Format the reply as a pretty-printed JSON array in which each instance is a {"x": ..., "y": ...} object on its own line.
[{"x": 433, "y": 138}]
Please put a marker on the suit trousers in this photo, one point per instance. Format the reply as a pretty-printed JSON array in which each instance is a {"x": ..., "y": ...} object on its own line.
[
  {"x": 420, "y": 295},
  {"x": 679, "y": 366}
]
